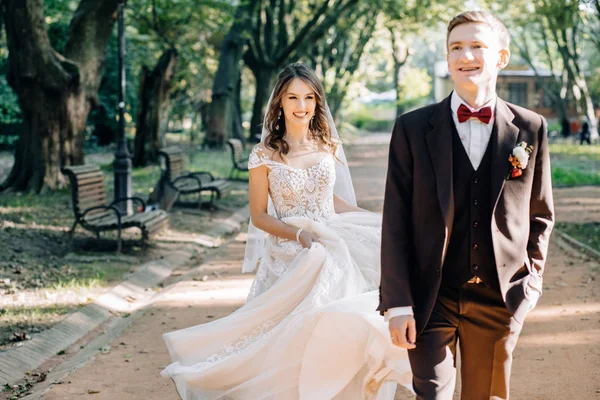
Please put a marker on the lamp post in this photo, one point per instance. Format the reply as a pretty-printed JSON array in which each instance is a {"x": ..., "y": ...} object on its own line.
[{"x": 122, "y": 163}]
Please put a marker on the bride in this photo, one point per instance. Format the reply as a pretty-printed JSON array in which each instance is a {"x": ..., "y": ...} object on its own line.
[{"x": 309, "y": 329}]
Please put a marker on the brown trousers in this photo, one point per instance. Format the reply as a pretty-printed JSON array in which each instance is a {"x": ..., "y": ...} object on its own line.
[{"x": 474, "y": 316}]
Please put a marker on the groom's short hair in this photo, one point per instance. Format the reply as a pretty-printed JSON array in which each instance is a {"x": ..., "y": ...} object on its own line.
[{"x": 481, "y": 17}]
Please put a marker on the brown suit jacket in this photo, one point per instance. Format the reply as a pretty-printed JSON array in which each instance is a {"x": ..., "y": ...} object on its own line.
[{"x": 419, "y": 205}]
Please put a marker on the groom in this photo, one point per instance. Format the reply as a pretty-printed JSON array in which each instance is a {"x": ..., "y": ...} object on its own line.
[{"x": 466, "y": 222}]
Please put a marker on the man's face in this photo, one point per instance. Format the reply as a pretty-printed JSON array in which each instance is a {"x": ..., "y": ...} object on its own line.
[{"x": 475, "y": 56}]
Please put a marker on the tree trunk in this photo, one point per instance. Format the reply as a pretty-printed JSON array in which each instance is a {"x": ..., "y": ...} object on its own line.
[
  {"x": 39, "y": 150},
  {"x": 221, "y": 114},
  {"x": 237, "y": 128},
  {"x": 55, "y": 93},
  {"x": 265, "y": 78},
  {"x": 588, "y": 106},
  {"x": 154, "y": 105}
]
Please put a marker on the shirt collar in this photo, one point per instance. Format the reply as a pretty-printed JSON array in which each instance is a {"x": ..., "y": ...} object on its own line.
[{"x": 456, "y": 101}]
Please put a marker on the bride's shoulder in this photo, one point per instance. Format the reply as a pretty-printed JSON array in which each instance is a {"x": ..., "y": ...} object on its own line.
[
  {"x": 261, "y": 149},
  {"x": 259, "y": 155}
]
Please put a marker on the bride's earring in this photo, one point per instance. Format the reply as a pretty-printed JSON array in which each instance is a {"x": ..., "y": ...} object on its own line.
[{"x": 278, "y": 118}]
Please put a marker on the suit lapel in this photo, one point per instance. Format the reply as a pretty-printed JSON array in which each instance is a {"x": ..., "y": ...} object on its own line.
[
  {"x": 503, "y": 141},
  {"x": 439, "y": 144}
]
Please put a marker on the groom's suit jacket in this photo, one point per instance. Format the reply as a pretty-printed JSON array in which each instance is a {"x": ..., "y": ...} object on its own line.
[{"x": 419, "y": 205}]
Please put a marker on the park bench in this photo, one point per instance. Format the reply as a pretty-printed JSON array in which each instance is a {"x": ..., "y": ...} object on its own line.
[
  {"x": 192, "y": 182},
  {"x": 240, "y": 163},
  {"x": 94, "y": 214}
]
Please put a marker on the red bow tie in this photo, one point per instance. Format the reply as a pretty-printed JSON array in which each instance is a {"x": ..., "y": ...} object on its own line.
[{"x": 484, "y": 115}]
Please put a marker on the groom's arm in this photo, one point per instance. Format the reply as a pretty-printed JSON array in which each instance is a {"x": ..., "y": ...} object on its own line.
[
  {"x": 541, "y": 215},
  {"x": 396, "y": 241}
]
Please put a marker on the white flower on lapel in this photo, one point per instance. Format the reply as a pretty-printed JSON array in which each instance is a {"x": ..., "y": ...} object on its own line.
[
  {"x": 521, "y": 154},
  {"x": 518, "y": 159}
]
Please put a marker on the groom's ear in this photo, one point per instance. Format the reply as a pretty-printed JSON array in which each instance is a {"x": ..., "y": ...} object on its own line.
[{"x": 504, "y": 58}]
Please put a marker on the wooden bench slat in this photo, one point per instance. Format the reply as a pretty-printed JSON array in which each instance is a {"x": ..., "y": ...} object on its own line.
[
  {"x": 90, "y": 174},
  {"x": 91, "y": 192},
  {"x": 88, "y": 190},
  {"x": 78, "y": 169},
  {"x": 93, "y": 198},
  {"x": 91, "y": 180},
  {"x": 85, "y": 204},
  {"x": 93, "y": 216}
]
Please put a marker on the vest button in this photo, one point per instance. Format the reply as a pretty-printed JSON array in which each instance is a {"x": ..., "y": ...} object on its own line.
[
  {"x": 476, "y": 181},
  {"x": 475, "y": 224},
  {"x": 475, "y": 246},
  {"x": 475, "y": 202},
  {"x": 475, "y": 267}
]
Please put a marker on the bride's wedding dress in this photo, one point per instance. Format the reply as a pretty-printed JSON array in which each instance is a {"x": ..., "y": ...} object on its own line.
[{"x": 309, "y": 329}]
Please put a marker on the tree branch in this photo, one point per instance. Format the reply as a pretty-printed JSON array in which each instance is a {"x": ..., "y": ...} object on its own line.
[
  {"x": 314, "y": 29},
  {"x": 282, "y": 33},
  {"x": 153, "y": 24}
]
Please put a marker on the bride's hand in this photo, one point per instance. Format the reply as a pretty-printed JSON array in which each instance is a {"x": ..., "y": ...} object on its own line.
[{"x": 306, "y": 239}]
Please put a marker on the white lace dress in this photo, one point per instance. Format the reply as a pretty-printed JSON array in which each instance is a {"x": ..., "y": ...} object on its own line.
[{"x": 309, "y": 329}]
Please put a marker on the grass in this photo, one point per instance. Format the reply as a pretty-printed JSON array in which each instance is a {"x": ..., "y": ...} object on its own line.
[
  {"x": 29, "y": 319},
  {"x": 100, "y": 273},
  {"x": 574, "y": 165},
  {"x": 587, "y": 233},
  {"x": 41, "y": 280}
]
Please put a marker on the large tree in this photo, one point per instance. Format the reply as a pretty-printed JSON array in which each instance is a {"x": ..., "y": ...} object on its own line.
[
  {"x": 153, "y": 109},
  {"x": 224, "y": 114},
  {"x": 555, "y": 87},
  {"x": 281, "y": 34},
  {"x": 192, "y": 28},
  {"x": 269, "y": 35},
  {"x": 55, "y": 91},
  {"x": 565, "y": 25},
  {"x": 551, "y": 34}
]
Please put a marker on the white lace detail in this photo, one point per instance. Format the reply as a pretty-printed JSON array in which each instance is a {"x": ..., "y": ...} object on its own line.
[
  {"x": 277, "y": 256},
  {"x": 299, "y": 192}
]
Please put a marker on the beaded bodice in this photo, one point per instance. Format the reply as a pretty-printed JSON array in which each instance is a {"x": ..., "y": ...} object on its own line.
[{"x": 299, "y": 192}]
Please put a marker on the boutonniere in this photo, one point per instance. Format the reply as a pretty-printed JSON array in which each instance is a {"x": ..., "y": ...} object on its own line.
[{"x": 518, "y": 159}]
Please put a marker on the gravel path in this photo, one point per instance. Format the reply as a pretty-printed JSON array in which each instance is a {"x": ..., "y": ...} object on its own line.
[{"x": 558, "y": 355}]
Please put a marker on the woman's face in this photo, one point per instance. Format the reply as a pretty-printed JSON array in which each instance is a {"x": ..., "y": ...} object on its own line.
[{"x": 298, "y": 102}]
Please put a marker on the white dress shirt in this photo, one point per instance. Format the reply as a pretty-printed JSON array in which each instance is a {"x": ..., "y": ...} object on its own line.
[{"x": 475, "y": 137}]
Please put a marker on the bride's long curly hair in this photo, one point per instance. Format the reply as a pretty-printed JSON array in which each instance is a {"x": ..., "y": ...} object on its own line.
[{"x": 275, "y": 120}]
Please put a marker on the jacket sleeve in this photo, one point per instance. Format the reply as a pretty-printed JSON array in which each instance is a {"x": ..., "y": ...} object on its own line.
[
  {"x": 397, "y": 249},
  {"x": 541, "y": 211}
]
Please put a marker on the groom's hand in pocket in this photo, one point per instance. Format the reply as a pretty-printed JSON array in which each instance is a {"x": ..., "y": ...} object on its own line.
[{"x": 403, "y": 331}]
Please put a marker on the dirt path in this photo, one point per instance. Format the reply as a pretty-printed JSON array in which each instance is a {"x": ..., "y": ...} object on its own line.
[{"x": 558, "y": 356}]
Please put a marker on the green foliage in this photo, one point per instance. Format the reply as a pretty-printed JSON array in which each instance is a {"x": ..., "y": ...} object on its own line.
[
  {"x": 587, "y": 233},
  {"x": 574, "y": 165},
  {"x": 415, "y": 86},
  {"x": 10, "y": 112},
  {"x": 58, "y": 16},
  {"x": 373, "y": 118},
  {"x": 195, "y": 28}
]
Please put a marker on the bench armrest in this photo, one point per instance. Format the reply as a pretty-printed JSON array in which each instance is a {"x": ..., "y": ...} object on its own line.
[
  {"x": 141, "y": 201},
  {"x": 200, "y": 174},
  {"x": 184, "y": 177},
  {"x": 115, "y": 209}
]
